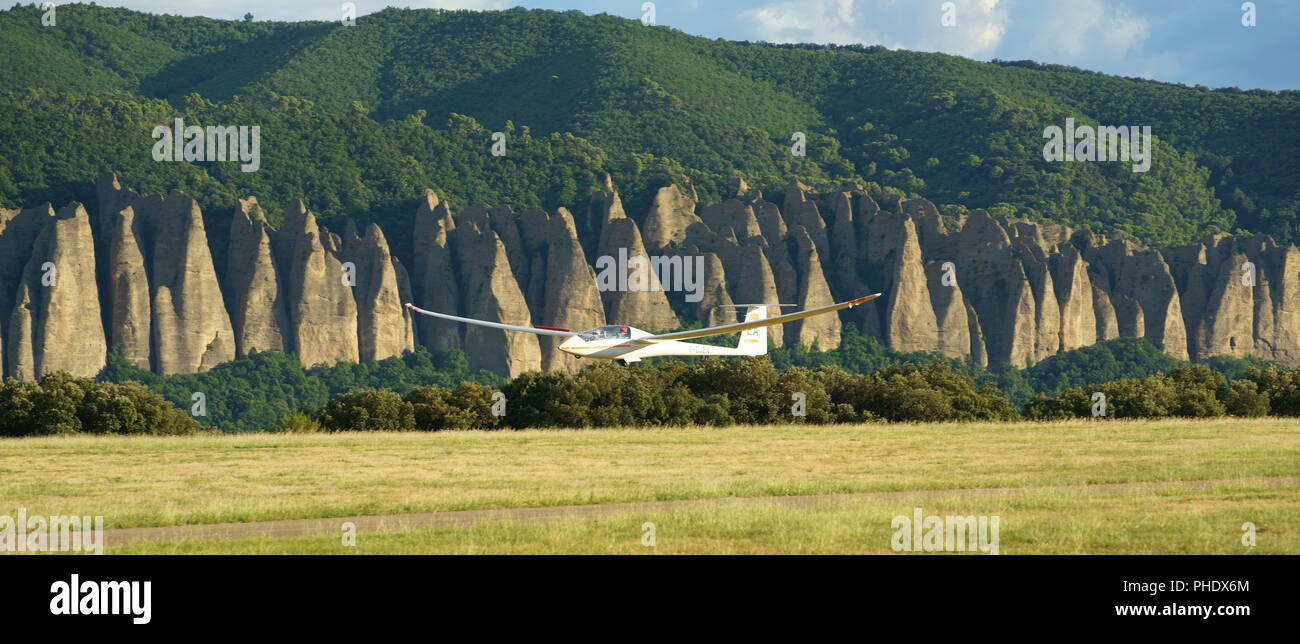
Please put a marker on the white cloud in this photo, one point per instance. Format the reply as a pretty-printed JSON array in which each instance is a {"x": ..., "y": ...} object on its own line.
[
  {"x": 473, "y": 5},
  {"x": 1087, "y": 29},
  {"x": 289, "y": 10},
  {"x": 820, "y": 21},
  {"x": 980, "y": 24}
]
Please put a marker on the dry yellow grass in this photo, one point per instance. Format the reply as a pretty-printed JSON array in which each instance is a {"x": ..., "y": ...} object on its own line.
[
  {"x": 1170, "y": 521},
  {"x": 211, "y": 479}
]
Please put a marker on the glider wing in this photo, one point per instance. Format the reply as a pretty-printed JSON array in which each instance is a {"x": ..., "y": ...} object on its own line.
[
  {"x": 725, "y": 329},
  {"x": 495, "y": 325}
]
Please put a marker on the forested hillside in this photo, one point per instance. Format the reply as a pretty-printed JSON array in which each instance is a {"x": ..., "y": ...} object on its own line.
[{"x": 361, "y": 119}]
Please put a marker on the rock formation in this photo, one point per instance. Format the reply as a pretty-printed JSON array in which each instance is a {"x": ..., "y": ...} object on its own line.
[
  {"x": 1239, "y": 296},
  {"x": 318, "y": 297},
  {"x": 953, "y": 325},
  {"x": 800, "y": 210},
  {"x": 257, "y": 301},
  {"x": 384, "y": 325},
  {"x": 1142, "y": 291},
  {"x": 131, "y": 313},
  {"x": 18, "y": 232},
  {"x": 433, "y": 280},
  {"x": 812, "y": 292},
  {"x": 191, "y": 330},
  {"x": 489, "y": 292},
  {"x": 571, "y": 299},
  {"x": 1079, "y": 319},
  {"x": 636, "y": 297},
  {"x": 670, "y": 215},
  {"x": 971, "y": 286},
  {"x": 994, "y": 281},
  {"x": 55, "y": 322},
  {"x": 715, "y": 306}
]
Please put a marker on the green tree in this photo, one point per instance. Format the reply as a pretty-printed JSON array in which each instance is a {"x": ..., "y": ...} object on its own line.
[{"x": 368, "y": 410}]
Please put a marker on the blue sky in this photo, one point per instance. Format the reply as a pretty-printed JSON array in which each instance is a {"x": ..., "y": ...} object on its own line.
[{"x": 1197, "y": 42}]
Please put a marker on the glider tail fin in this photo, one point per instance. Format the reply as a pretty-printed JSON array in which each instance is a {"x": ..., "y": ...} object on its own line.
[{"x": 753, "y": 342}]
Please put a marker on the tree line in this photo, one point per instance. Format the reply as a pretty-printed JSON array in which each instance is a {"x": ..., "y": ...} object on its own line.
[
  {"x": 62, "y": 404},
  {"x": 750, "y": 391},
  {"x": 708, "y": 392}
]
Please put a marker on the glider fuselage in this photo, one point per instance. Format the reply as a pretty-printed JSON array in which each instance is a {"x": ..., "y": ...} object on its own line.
[{"x": 619, "y": 343}]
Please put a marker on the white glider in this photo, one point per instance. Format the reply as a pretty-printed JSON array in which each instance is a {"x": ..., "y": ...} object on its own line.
[{"x": 629, "y": 344}]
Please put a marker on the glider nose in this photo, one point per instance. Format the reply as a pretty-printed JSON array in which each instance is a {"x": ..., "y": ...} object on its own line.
[{"x": 570, "y": 345}]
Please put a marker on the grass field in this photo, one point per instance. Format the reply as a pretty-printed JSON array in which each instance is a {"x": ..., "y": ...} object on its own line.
[{"x": 136, "y": 482}]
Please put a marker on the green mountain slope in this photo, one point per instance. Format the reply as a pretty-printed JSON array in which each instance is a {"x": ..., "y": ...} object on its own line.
[{"x": 358, "y": 120}]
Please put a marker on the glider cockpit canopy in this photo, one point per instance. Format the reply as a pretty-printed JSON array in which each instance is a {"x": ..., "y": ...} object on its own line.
[{"x": 610, "y": 332}]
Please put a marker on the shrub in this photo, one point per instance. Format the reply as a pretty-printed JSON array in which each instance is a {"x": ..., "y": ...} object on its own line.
[
  {"x": 552, "y": 399},
  {"x": 1197, "y": 391},
  {"x": 1281, "y": 386},
  {"x": 1071, "y": 403},
  {"x": 1245, "y": 399},
  {"x": 750, "y": 385},
  {"x": 368, "y": 410},
  {"x": 157, "y": 414},
  {"x": 17, "y": 408},
  {"x": 299, "y": 423},
  {"x": 105, "y": 409},
  {"x": 818, "y": 408},
  {"x": 930, "y": 392},
  {"x": 429, "y": 407},
  {"x": 468, "y": 406},
  {"x": 55, "y": 401},
  {"x": 62, "y": 404},
  {"x": 1193, "y": 392},
  {"x": 716, "y": 410}
]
